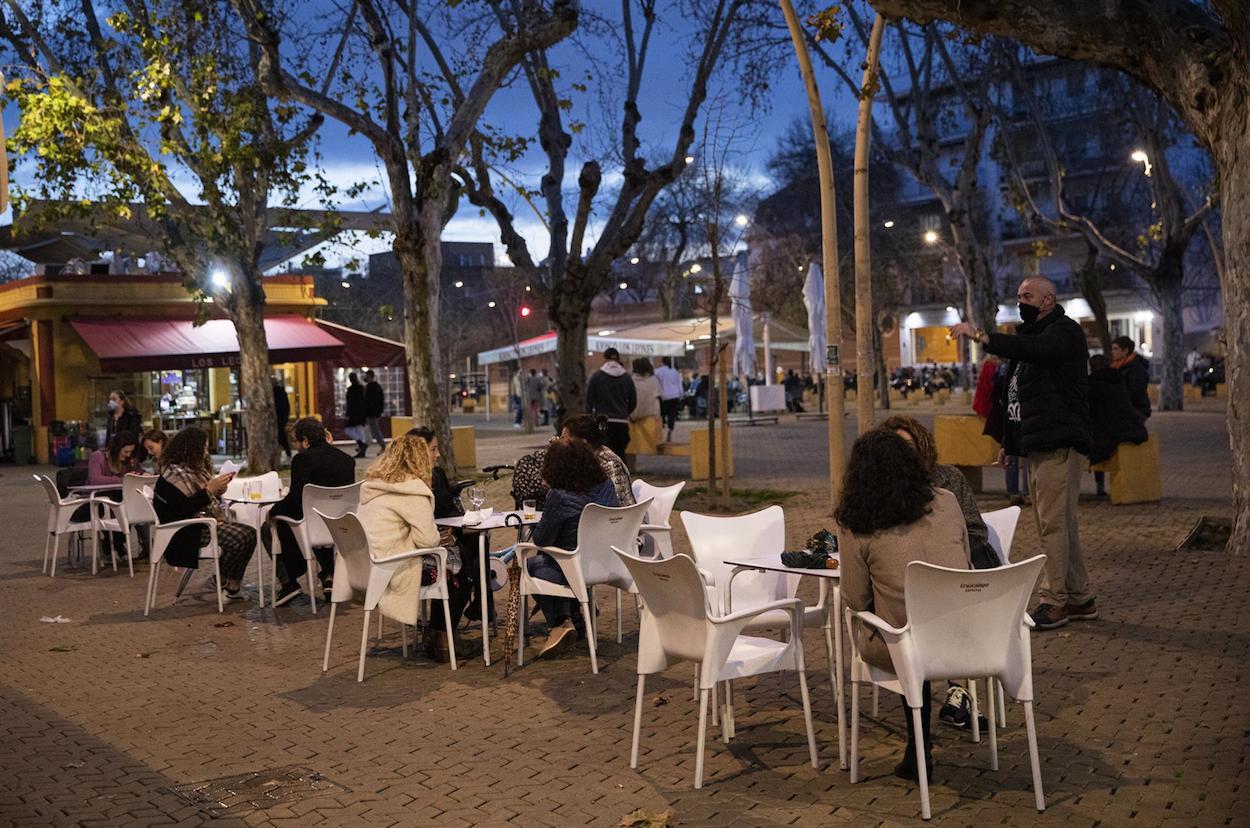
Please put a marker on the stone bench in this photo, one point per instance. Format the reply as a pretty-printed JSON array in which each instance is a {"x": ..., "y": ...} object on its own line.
[
  {"x": 696, "y": 450},
  {"x": 1134, "y": 473},
  {"x": 960, "y": 443},
  {"x": 463, "y": 440}
]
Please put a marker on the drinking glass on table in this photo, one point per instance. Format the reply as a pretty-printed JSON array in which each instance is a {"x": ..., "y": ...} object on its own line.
[
  {"x": 477, "y": 496},
  {"x": 253, "y": 490},
  {"x": 529, "y": 509}
]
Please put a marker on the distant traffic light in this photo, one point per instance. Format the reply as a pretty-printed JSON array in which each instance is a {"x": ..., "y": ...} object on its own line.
[{"x": 525, "y": 311}]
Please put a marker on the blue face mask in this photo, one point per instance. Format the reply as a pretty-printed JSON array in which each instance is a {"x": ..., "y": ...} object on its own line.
[{"x": 114, "y": 405}]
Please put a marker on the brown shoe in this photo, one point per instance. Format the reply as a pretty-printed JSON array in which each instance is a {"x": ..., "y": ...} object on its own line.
[
  {"x": 1048, "y": 617},
  {"x": 1082, "y": 612},
  {"x": 559, "y": 640}
]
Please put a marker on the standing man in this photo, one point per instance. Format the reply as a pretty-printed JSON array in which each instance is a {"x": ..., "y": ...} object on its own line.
[
  {"x": 535, "y": 388},
  {"x": 282, "y": 413},
  {"x": 320, "y": 464},
  {"x": 354, "y": 413},
  {"x": 1047, "y": 421},
  {"x": 1135, "y": 371},
  {"x": 375, "y": 404},
  {"x": 611, "y": 393},
  {"x": 670, "y": 394}
]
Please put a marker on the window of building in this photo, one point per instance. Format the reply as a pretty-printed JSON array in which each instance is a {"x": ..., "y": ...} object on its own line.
[{"x": 391, "y": 380}]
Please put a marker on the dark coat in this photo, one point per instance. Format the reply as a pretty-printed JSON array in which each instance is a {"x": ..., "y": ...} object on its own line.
[
  {"x": 1113, "y": 418},
  {"x": 355, "y": 413},
  {"x": 130, "y": 420},
  {"x": 320, "y": 465},
  {"x": 1054, "y": 401},
  {"x": 1136, "y": 376},
  {"x": 611, "y": 392},
  {"x": 562, "y": 511},
  {"x": 375, "y": 402},
  {"x": 281, "y": 405},
  {"x": 172, "y": 505}
]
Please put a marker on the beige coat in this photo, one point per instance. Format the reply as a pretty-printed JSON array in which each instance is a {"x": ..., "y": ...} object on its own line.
[
  {"x": 873, "y": 565},
  {"x": 398, "y": 518},
  {"x": 648, "y": 390}
]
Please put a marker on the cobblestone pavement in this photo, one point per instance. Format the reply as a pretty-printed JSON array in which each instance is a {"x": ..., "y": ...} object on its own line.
[{"x": 1144, "y": 715}]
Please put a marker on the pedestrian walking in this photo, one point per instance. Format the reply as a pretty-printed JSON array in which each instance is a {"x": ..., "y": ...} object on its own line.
[
  {"x": 354, "y": 413},
  {"x": 610, "y": 392},
  {"x": 1046, "y": 411},
  {"x": 375, "y": 405},
  {"x": 515, "y": 389},
  {"x": 670, "y": 395},
  {"x": 535, "y": 388},
  {"x": 282, "y": 413}
]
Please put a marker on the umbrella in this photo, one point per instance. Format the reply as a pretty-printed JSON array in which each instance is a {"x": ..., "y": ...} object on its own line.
[
  {"x": 744, "y": 323},
  {"x": 814, "y": 299},
  {"x": 514, "y": 609}
]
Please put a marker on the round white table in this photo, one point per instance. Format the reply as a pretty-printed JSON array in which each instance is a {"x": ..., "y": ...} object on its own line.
[
  {"x": 252, "y": 512},
  {"x": 497, "y": 520}
]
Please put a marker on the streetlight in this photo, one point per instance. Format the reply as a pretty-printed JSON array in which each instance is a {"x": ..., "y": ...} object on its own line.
[
  {"x": 689, "y": 159},
  {"x": 220, "y": 278},
  {"x": 528, "y": 288},
  {"x": 490, "y": 304},
  {"x": 634, "y": 260},
  {"x": 459, "y": 284},
  {"x": 345, "y": 283},
  {"x": 1140, "y": 156},
  {"x": 623, "y": 285},
  {"x": 889, "y": 224},
  {"x": 930, "y": 237},
  {"x": 696, "y": 267},
  {"x": 741, "y": 220}
]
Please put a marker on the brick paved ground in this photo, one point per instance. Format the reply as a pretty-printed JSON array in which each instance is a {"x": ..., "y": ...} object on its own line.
[{"x": 1143, "y": 715}]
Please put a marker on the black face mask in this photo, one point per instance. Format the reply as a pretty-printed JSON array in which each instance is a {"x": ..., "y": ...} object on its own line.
[{"x": 1029, "y": 313}]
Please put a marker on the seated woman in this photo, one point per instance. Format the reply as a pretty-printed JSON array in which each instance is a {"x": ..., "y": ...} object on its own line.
[
  {"x": 952, "y": 480},
  {"x": 154, "y": 442},
  {"x": 188, "y": 489},
  {"x": 108, "y": 466},
  {"x": 574, "y": 478},
  {"x": 527, "y": 478},
  {"x": 890, "y": 515},
  {"x": 397, "y": 512}
]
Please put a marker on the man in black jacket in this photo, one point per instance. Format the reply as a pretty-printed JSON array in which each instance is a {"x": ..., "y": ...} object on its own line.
[
  {"x": 611, "y": 393},
  {"x": 320, "y": 464},
  {"x": 354, "y": 413},
  {"x": 282, "y": 413},
  {"x": 375, "y": 405},
  {"x": 1046, "y": 414}
]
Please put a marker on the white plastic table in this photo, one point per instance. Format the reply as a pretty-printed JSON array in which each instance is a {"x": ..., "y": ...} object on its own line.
[
  {"x": 829, "y": 579},
  {"x": 252, "y": 513},
  {"x": 95, "y": 488},
  {"x": 496, "y": 521}
]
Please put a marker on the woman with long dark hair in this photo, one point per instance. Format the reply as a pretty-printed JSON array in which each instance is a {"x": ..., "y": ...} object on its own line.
[
  {"x": 187, "y": 489},
  {"x": 890, "y": 515},
  {"x": 107, "y": 466}
]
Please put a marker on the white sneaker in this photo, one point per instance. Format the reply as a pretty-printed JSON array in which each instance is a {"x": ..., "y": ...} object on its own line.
[{"x": 237, "y": 595}]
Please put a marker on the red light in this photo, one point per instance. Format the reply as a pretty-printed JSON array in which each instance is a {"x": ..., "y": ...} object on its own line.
[{"x": 525, "y": 311}]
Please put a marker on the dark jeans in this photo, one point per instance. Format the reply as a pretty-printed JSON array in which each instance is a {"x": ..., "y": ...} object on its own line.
[
  {"x": 616, "y": 437},
  {"x": 460, "y": 590},
  {"x": 925, "y": 707},
  {"x": 668, "y": 412},
  {"x": 291, "y": 559},
  {"x": 284, "y": 442},
  {"x": 375, "y": 430}
]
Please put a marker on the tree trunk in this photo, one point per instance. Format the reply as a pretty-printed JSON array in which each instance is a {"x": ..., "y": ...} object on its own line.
[
  {"x": 1091, "y": 290},
  {"x": 829, "y": 255},
  {"x": 883, "y": 374},
  {"x": 722, "y": 409},
  {"x": 569, "y": 319},
  {"x": 865, "y": 330},
  {"x": 256, "y": 384},
  {"x": 1168, "y": 293},
  {"x": 420, "y": 260},
  {"x": 981, "y": 293}
]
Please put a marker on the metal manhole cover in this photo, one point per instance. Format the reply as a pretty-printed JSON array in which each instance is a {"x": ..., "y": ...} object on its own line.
[{"x": 256, "y": 790}]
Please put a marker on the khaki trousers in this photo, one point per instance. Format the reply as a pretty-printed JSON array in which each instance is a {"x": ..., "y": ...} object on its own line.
[{"x": 1055, "y": 485}]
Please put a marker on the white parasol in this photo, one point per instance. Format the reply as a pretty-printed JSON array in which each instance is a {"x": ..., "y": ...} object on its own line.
[
  {"x": 744, "y": 322},
  {"x": 814, "y": 299}
]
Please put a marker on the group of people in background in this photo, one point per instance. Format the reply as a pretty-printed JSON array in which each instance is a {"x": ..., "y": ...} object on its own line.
[{"x": 364, "y": 406}]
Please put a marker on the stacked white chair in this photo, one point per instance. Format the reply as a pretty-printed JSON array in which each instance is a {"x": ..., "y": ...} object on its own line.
[
  {"x": 656, "y": 531},
  {"x": 312, "y": 532},
  {"x": 591, "y": 564},
  {"x": 358, "y": 572},
  {"x": 61, "y": 522},
  {"x": 678, "y": 624},
  {"x": 959, "y": 623}
]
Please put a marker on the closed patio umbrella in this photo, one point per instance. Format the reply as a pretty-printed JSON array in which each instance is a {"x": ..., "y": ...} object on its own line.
[
  {"x": 814, "y": 300},
  {"x": 744, "y": 322}
]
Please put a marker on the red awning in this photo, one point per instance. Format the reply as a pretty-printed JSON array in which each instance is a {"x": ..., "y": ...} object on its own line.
[
  {"x": 365, "y": 349},
  {"x": 146, "y": 344}
]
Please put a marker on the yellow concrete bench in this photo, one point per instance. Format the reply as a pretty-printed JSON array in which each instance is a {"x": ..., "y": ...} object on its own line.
[
  {"x": 644, "y": 435},
  {"x": 696, "y": 450},
  {"x": 1134, "y": 473},
  {"x": 960, "y": 443},
  {"x": 1193, "y": 393},
  {"x": 1221, "y": 391},
  {"x": 463, "y": 440}
]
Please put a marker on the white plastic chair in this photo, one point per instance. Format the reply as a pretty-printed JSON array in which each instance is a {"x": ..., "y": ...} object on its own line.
[
  {"x": 656, "y": 530},
  {"x": 134, "y": 510},
  {"x": 162, "y": 534},
  {"x": 61, "y": 522},
  {"x": 356, "y": 570},
  {"x": 1002, "y": 526},
  {"x": 591, "y": 564},
  {"x": 959, "y": 623},
  {"x": 311, "y": 531},
  {"x": 677, "y": 624},
  {"x": 715, "y": 540}
]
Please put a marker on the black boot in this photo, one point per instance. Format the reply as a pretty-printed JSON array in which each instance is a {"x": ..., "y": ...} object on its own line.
[{"x": 360, "y": 449}]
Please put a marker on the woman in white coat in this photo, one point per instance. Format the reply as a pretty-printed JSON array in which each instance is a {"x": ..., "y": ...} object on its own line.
[{"x": 397, "y": 512}]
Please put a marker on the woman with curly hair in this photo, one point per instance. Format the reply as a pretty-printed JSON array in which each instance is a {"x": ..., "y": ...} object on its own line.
[
  {"x": 890, "y": 515},
  {"x": 187, "y": 489},
  {"x": 952, "y": 479},
  {"x": 527, "y": 479},
  {"x": 574, "y": 479}
]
